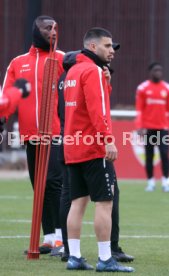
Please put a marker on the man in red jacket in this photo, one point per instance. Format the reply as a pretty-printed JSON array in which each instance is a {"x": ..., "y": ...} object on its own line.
[
  {"x": 31, "y": 67},
  {"x": 89, "y": 147},
  {"x": 152, "y": 105},
  {"x": 117, "y": 252}
]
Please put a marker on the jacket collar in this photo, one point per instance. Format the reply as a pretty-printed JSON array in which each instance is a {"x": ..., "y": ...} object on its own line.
[
  {"x": 33, "y": 51},
  {"x": 74, "y": 57},
  {"x": 96, "y": 59}
]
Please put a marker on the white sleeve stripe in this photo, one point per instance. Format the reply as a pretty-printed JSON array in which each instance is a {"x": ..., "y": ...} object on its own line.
[
  {"x": 104, "y": 163},
  {"x": 36, "y": 89},
  {"x": 166, "y": 84},
  {"x": 102, "y": 91},
  {"x": 142, "y": 85},
  {"x": 5, "y": 79},
  {"x": 4, "y": 83}
]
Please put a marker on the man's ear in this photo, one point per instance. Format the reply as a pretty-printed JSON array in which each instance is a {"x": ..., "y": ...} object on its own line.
[{"x": 92, "y": 47}]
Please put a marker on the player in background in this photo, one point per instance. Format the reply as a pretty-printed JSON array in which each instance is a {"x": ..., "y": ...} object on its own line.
[
  {"x": 31, "y": 66},
  {"x": 152, "y": 106}
]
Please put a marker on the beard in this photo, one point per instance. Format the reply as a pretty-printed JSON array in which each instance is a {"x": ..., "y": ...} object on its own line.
[{"x": 38, "y": 40}]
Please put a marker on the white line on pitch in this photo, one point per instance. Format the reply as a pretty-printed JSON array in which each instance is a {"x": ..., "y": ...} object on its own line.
[
  {"x": 14, "y": 197},
  {"x": 144, "y": 236},
  {"x": 93, "y": 236},
  {"x": 135, "y": 236},
  {"x": 29, "y": 221},
  {"x": 15, "y": 221},
  {"x": 15, "y": 237}
]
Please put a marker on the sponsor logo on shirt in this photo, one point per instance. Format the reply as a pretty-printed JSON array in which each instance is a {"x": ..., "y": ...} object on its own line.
[
  {"x": 155, "y": 101},
  {"x": 25, "y": 65},
  {"x": 70, "y": 83},
  {"x": 163, "y": 93},
  {"x": 149, "y": 92},
  {"x": 70, "y": 103},
  {"x": 24, "y": 68},
  {"x": 61, "y": 85}
]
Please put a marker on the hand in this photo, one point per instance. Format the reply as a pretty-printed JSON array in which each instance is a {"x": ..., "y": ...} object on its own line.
[
  {"x": 111, "y": 152},
  {"x": 107, "y": 73},
  {"x": 24, "y": 86},
  {"x": 142, "y": 131}
]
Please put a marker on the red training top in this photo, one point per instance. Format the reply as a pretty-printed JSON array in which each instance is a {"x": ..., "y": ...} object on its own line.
[
  {"x": 30, "y": 66},
  {"x": 87, "y": 112},
  {"x": 152, "y": 105}
]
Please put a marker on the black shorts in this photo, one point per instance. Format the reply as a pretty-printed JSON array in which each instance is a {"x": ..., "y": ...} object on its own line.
[{"x": 94, "y": 178}]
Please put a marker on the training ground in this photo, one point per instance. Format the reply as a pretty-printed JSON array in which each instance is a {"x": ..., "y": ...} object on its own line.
[{"x": 144, "y": 223}]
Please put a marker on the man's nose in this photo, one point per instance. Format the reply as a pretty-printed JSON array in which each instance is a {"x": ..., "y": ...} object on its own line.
[
  {"x": 54, "y": 30},
  {"x": 112, "y": 51}
]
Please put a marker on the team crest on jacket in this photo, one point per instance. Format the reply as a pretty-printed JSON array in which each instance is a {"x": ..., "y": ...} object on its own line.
[
  {"x": 163, "y": 93},
  {"x": 139, "y": 150},
  {"x": 149, "y": 92}
]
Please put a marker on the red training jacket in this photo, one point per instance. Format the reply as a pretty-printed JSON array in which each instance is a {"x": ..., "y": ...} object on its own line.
[
  {"x": 30, "y": 66},
  {"x": 152, "y": 105},
  {"x": 9, "y": 101},
  {"x": 87, "y": 111}
]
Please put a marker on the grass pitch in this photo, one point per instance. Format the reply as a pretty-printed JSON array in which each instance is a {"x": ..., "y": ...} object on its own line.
[{"x": 144, "y": 223}]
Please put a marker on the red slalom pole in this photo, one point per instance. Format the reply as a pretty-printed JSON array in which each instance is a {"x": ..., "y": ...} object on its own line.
[{"x": 43, "y": 149}]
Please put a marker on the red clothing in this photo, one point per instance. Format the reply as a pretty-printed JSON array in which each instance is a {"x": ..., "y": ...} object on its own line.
[
  {"x": 30, "y": 66},
  {"x": 87, "y": 109},
  {"x": 152, "y": 105},
  {"x": 9, "y": 101}
]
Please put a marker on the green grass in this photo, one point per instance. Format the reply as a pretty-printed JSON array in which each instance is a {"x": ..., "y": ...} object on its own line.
[{"x": 141, "y": 214}]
